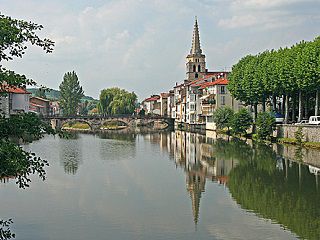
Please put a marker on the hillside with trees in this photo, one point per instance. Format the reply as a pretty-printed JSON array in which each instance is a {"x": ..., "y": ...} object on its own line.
[{"x": 54, "y": 95}]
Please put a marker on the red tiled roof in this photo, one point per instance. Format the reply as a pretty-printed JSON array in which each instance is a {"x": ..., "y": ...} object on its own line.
[
  {"x": 221, "y": 81},
  {"x": 13, "y": 89},
  {"x": 150, "y": 99}
]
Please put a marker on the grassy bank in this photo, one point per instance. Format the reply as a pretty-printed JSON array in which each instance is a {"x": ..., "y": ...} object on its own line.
[
  {"x": 113, "y": 125},
  {"x": 76, "y": 125}
]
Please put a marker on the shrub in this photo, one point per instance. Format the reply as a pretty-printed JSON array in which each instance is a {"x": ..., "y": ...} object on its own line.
[
  {"x": 222, "y": 117},
  {"x": 265, "y": 124},
  {"x": 241, "y": 122},
  {"x": 298, "y": 135}
]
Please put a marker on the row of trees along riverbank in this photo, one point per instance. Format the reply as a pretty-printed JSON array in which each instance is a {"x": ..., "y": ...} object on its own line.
[{"x": 291, "y": 75}]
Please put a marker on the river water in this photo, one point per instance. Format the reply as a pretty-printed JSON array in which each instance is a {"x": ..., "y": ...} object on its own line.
[{"x": 169, "y": 185}]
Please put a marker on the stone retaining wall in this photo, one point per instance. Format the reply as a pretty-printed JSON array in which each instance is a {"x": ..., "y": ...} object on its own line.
[{"x": 311, "y": 133}]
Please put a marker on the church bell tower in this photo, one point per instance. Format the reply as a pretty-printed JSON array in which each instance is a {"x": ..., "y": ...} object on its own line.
[{"x": 196, "y": 61}]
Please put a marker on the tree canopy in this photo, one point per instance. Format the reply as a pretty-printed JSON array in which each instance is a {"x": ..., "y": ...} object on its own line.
[
  {"x": 285, "y": 75},
  {"x": 117, "y": 101},
  {"x": 222, "y": 117}
]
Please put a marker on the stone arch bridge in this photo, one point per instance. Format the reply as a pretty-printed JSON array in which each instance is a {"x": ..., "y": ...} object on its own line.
[{"x": 96, "y": 122}]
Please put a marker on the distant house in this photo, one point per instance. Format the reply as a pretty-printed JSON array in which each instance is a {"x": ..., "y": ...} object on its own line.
[
  {"x": 164, "y": 104},
  {"x": 13, "y": 100},
  {"x": 55, "y": 108},
  {"x": 40, "y": 106},
  {"x": 152, "y": 105}
]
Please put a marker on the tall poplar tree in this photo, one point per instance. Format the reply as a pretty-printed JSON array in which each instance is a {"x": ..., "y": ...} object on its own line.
[{"x": 71, "y": 93}]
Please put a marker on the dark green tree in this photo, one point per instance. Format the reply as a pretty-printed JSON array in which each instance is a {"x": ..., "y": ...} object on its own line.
[
  {"x": 222, "y": 117},
  {"x": 265, "y": 124},
  {"x": 241, "y": 122},
  {"x": 71, "y": 93}
]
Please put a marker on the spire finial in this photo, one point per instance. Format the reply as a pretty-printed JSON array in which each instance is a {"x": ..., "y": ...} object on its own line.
[{"x": 196, "y": 49}]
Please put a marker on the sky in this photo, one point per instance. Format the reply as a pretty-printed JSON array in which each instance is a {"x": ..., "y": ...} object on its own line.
[{"x": 141, "y": 45}]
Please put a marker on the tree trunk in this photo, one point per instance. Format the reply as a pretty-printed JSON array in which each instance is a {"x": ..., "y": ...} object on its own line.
[
  {"x": 286, "y": 115},
  {"x": 255, "y": 112},
  {"x": 255, "y": 115},
  {"x": 294, "y": 108},
  {"x": 300, "y": 107},
  {"x": 274, "y": 103},
  {"x": 306, "y": 109},
  {"x": 283, "y": 104},
  {"x": 263, "y": 105},
  {"x": 317, "y": 103}
]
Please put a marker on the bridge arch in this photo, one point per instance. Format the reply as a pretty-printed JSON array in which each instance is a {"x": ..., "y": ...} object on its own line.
[
  {"x": 114, "y": 123},
  {"x": 70, "y": 121}
]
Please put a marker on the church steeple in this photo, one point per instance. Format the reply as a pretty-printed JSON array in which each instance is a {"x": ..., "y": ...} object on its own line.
[
  {"x": 196, "y": 49},
  {"x": 196, "y": 61}
]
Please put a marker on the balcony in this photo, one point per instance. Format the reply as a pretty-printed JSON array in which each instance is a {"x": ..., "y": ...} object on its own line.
[
  {"x": 208, "y": 102},
  {"x": 208, "y": 99},
  {"x": 207, "y": 112}
]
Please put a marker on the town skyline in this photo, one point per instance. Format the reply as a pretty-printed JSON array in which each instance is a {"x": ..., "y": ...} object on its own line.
[{"x": 112, "y": 44}]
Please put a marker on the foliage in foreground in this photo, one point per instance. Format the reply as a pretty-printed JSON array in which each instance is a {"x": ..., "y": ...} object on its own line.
[
  {"x": 5, "y": 232},
  {"x": 14, "y": 161}
]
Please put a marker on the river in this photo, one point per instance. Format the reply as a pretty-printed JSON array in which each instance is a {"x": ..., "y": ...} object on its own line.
[{"x": 167, "y": 185}]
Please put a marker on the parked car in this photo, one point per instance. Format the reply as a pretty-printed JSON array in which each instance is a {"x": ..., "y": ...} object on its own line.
[
  {"x": 314, "y": 120},
  {"x": 279, "y": 117},
  {"x": 302, "y": 122}
]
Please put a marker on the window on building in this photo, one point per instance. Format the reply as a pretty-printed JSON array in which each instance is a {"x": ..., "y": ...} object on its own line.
[
  {"x": 199, "y": 68},
  {"x": 223, "y": 90},
  {"x": 223, "y": 100},
  {"x": 210, "y": 119},
  {"x": 196, "y": 75},
  {"x": 194, "y": 68}
]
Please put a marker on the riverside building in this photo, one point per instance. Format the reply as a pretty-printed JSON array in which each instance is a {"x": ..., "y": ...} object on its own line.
[{"x": 192, "y": 103}]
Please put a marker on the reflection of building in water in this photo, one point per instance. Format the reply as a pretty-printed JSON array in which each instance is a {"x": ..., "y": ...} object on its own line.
[
  {"x": 6, "y": 179},
  {"x": 196, "y": 181},
  {"x": 195, "y": 154}
]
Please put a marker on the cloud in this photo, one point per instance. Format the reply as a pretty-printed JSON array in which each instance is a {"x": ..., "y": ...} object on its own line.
[
  {"x": 141, "y": 45},
  {"x": 267, "y": 14},
  {"x": 265, "y": 4},
  {"x": 238, "y": 21}
]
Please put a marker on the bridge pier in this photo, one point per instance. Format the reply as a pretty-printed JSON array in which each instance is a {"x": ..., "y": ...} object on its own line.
[{"x": 55, "y": 124}]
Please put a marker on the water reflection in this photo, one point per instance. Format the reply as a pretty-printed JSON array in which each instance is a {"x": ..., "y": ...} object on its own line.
[
  {"x": 122, "y": 141},
  {"x": 258, "y": 178},
  {"x": 70, "y": 154}
]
